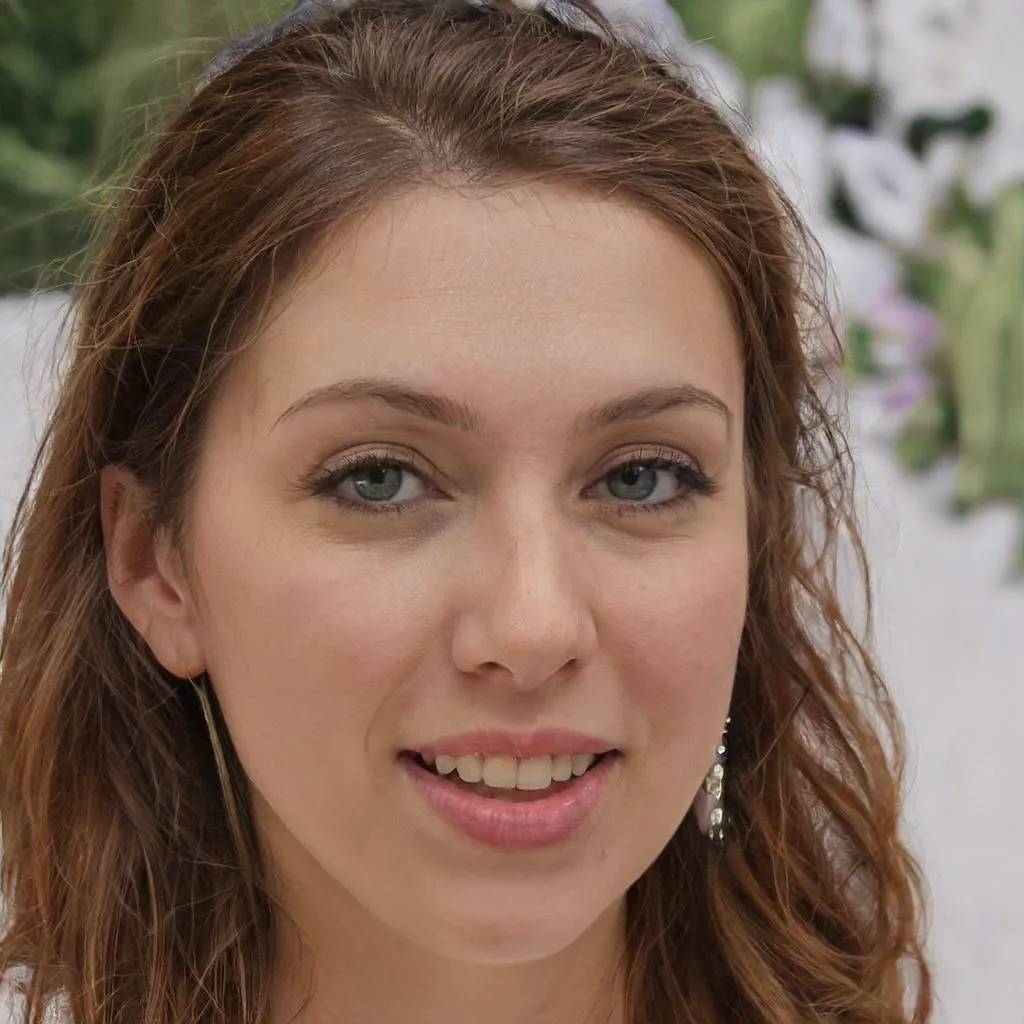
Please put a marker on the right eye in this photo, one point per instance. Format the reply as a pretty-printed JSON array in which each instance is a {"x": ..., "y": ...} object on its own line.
[{"x": 373, "y": 484}]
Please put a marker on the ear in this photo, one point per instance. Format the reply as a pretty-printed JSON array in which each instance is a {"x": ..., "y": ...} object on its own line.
[{"x": 145, "y": 577}]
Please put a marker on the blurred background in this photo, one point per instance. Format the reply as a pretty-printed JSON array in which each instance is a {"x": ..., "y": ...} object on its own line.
[{"x": 898, "y": 128}]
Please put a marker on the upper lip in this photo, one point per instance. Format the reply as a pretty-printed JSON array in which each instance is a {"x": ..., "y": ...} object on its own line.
[{"x": 541, "y": 742}]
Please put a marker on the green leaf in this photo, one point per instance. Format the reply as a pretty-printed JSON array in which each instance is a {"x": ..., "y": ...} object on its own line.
[
  {"x": 922, "y": 440},
  {"x": 842, "y": 103},
  {"x": 1017, "y": 569},
  {"x": 26, "y": 70},
  {"x": 924, "y": 280},
  {"x": 762, "y": 37},
  {"x": 34, "y": 172},
  {"x": 858, "y": 351},
  {"x": 982, "y": 306},
  {"x": 766, "y": 37}
]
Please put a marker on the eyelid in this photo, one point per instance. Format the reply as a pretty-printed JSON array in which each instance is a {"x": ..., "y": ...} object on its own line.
[
  {"x": 401, "y": 456},
  {"x": 407, "y": 457},
  {"x": 645, "y": 453}
]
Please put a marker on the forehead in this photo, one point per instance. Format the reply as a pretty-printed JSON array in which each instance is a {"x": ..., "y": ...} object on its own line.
[{"x": 515, "y": 299}]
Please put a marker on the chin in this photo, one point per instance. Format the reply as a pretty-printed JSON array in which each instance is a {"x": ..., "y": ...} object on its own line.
[
  {"x": 491, "y": 943},
  {"x": 520, "y": 928}
]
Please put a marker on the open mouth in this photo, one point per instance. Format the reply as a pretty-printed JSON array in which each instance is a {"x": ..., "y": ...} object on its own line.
[
  {"x": 510, "y": 802},
  {"x": 509, "y": 779}
]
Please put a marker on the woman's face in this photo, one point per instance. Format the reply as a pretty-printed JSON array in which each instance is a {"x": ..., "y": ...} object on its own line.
[{"x": 550, "y": 553}]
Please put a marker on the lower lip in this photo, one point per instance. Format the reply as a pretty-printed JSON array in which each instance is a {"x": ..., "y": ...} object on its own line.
[{"x": 528, "y": 825}]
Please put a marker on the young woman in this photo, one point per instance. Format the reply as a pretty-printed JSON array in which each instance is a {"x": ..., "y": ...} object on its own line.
[{"x": 423, "y": 605}]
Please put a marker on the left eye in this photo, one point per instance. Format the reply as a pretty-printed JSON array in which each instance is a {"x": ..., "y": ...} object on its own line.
[
  {"x": 381, "y": 481},
  {"x": 654, "y": 481}
]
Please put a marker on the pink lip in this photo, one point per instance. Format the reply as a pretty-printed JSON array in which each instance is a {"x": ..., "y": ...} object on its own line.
[
  {"x": 516, "y": 744},
  {"x": 529, "y": 825}
]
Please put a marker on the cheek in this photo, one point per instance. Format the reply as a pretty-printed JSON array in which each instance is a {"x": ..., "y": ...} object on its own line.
[
  {"x": 301, "y": 644},
  {"x": 677, "y": 638}
]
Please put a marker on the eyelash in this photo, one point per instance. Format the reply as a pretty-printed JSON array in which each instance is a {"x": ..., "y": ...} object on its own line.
[{"x": 694, "y": 483}]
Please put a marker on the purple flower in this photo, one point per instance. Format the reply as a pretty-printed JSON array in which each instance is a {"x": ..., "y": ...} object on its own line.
[
  {"x": 903, "y": 332},
  {"x": 903, "y": 392}
]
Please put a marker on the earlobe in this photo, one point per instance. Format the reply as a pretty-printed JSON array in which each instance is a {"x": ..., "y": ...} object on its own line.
[{"x": 144, "y": 577}]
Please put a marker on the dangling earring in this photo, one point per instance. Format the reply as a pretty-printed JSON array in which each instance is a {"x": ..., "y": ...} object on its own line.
[
  {"x": 710, "y": 802},
  {"x": 234, "y": 818}
]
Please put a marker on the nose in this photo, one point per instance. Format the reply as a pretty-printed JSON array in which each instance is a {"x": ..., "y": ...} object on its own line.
[{"x": 524, "y": 614}]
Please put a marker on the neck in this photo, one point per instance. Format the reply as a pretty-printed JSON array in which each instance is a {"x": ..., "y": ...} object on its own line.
[{"x": 340, "y": 965}]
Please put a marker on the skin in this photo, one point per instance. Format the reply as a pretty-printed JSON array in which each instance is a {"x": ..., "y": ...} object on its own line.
[{"x": 514, "y": 591}]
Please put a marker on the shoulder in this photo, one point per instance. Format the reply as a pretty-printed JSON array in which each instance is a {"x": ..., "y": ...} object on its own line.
[{"x": 12, "y": 1000}]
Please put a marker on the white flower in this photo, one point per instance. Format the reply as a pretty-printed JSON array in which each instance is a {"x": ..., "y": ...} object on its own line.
[
  {"x": 717, "y": 79},
  {"x": 998, "y": 161},
  {"x": 839, "y": 40},
  {"x": 790, "y": 140},
  {"x": 646, "y": 22},
  {"x": 1000, "y": 59},
  {"x": 931, "y": 58},
  {"x": 945, "y": 161},
  {"x": 904, "y": 330},
  {"x": 866, "y": 272},
  {"x": 890, "y": 189}
]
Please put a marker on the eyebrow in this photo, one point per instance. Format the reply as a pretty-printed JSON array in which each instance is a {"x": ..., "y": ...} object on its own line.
[{"x": 644, "y": 403}]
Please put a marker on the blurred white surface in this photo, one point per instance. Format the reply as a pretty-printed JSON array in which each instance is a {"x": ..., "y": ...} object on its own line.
[
  {"x": 950, "y": 637},
  {"x": 951, "y": 640},
  {"x": 28, "y": 332}
]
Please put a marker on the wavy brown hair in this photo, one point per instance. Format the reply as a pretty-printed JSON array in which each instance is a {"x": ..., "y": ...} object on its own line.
[{"x": 136, "y": 888}]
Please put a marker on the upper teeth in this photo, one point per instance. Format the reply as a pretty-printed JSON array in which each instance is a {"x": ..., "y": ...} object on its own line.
[{"x": 504, "y": 772}]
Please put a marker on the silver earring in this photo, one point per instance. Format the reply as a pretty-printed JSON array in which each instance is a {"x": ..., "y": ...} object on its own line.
[
  {"x": 714, "y": 787},
  {"x": 231, "y": 808}
]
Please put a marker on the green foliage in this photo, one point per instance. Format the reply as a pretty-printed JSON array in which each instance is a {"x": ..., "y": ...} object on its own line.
[
  {"x": 971, "y": 274},
  {"x": 843, "y": 104},
  {"x": 929, "y": 432},
  {"x": 763, "y": 38},
  {"x": 81, "y": 84},
  {"x": 984, "y": 313},
  {"x": 972, "y": 124},
  {"x": 859, "y": 351},
  {"x": 977, "y": 409}
]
